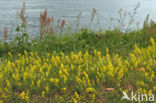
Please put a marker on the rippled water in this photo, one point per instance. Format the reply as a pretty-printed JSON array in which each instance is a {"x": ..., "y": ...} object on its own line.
[{"x": 69, "y": 9}]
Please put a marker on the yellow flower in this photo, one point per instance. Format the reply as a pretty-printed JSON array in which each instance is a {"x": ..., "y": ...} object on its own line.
[
  {"x": 67, "y": 59},
  {"x": 85, "y": 74},
  {"x": 154, "y": 88},
  {"x": 64, "y": 90},
  {"x": 10, "y": 54},
  {"x": 16, "y": 77},
  {"x": 32, "y": 83},
  {"x": 144, "y": 91},
  {"x": 90, "y": 90},
  {"x": 95, "y": 51},
  {"x": 25, "y": 75},
  {"x": 1, "y": 75},
  {"x": 1, "y": 101},
  {"x": 72, "y": 67},
  {"x": 146, "y": 74},
  {"x": 38, "y": 83},
  {"x": 107, "y": 50},
  {"x": 78, "y": 80},
  {"x": 77, "y": 95},
  {"x": 152, "y": 41},
  {"x": 64, "y": 78},
  {"x": 74, "y": 100},
  {"x": 56, "y": 82},
  {"x": 22, "y": 95},
  {"x": 150, "y": 92},
  {"x": 43, "y": 93},
  {"x": 47, "y": 73},
  {"x": 51, "y": 80},
  {"x": 99, "y": 55},
  {"x": 27, "y": 97},
  {"x": 47, "y": 88},
  {"x": 8, "y": 83},
  {"x": 120, "y": 74},
  {"x": 110, "y": 74},
  {"x": 86, "y": 55},
  {"x": 26, "y": 53}
]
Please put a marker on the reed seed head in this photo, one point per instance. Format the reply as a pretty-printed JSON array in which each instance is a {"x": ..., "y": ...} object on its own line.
[
  {"x": 5, "y": 34},
  {"x": 63, "y": 23},
  {"x": 94, "y": 11}
]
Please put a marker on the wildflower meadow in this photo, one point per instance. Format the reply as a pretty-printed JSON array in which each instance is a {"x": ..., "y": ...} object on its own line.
[{"x": 77, "y": 67}]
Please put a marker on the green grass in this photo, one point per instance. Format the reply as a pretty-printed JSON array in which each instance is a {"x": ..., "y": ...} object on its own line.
[{"x": 117, "y": 42}]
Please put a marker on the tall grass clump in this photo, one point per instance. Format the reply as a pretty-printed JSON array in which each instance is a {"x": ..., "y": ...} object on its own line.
[{"x": 52, "y": 37}]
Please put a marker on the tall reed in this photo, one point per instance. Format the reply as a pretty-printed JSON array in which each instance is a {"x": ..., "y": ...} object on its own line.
[{"x": 5, "y": 33}]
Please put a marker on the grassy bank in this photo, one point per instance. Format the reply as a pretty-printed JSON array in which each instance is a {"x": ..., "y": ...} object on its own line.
[
  {"x": 94, "y": 77},
  {"x": 85, "y": 40}
]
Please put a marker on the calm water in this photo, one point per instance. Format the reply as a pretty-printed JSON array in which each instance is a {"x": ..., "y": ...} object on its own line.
[{"x": 69, "y": 9}]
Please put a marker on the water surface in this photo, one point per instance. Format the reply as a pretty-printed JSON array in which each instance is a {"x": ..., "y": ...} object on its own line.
[{"x": 69, "y": 9}]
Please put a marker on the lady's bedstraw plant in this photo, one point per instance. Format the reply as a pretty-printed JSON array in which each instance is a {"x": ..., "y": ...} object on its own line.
[{"x": 76, "y": 77}]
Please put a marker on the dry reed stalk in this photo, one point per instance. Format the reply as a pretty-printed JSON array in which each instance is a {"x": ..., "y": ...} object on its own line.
[
  {"x": 42, "y": 33},
  {"x": 21, "y": 14},
  {"x": 62, "y": 24},
  {"x": 94, "y": 12},
  {"x": 78, "y": 20},
  {"x": 146, "y": 24},
  {"x": 51, "y": 31},
  {"x": 48, "y": 21},
  {"x": 43, "y": 17},
  {"x": 52, "y": 20},
  {"x": 137, "y": 6},
  {"x": 58, "y": 24},
  {"x": 5, "y": 34},
  {"x": 151, "y": 28},
  {"x": 45, "y": 23},
  {"x": 92, "y": 17}
]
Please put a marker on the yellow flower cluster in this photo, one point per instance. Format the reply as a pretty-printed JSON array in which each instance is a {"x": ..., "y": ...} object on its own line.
[
  {"x": 76, "y": 77},
  {"x": 144, "y": 62},
  {"x": 24, "y": 96}
]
